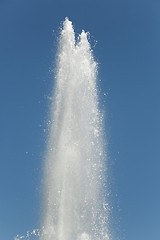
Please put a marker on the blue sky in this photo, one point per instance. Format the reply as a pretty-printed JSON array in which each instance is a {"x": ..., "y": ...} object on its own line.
[{"x": 128, "y": 52}]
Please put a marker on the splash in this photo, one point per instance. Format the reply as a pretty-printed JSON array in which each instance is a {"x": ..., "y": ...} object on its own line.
[
  {"x": 74, "y": 196},
  {"x": 30, "y": 235}
]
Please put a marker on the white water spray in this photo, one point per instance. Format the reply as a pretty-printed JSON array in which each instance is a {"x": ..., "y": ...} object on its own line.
[{"x": 74, "y": 195}]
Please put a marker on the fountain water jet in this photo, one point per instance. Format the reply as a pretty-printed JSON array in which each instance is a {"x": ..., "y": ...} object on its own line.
[{"x": 74, "y": 195}]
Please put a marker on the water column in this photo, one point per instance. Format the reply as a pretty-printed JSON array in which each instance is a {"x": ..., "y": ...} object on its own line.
[{"x": 74, "y": 191}]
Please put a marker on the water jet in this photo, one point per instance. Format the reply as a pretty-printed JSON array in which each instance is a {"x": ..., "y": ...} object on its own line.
[{"x": 75, "y": 159}]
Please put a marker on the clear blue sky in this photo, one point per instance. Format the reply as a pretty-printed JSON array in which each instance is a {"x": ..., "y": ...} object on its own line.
[{"x": 128, "y": 52}]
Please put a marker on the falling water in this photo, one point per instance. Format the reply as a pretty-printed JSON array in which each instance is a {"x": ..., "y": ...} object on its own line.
[{"x": 74, "y": 195}]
